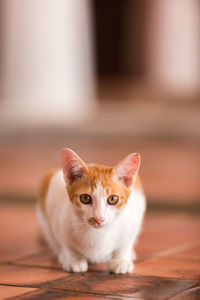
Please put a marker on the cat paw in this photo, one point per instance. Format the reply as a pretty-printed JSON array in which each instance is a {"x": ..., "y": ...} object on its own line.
[
  {"x": 73, "y": 265},
  {"x": 121, "y": 266},
  {"x": 79, "y": 266}
]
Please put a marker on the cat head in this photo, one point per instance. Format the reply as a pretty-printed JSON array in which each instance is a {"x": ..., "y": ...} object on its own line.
[{"x": 98, "y": 193}]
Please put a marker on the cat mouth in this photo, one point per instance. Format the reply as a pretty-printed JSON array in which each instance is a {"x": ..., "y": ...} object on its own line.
[{"x": 94, "y": 224}]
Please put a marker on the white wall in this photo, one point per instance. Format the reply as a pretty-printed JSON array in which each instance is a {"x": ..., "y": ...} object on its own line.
[
  {"x": 47, "y": 73},
  {"x": 174, "y": 45}
]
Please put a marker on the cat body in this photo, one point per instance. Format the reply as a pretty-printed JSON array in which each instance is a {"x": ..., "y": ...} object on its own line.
[{"x": 92, "y": 213}]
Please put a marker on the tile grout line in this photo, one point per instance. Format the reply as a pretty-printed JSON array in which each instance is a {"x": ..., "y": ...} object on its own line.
[
  {"x": 22, "y": 295},
  {"x": 18, "y": 285},
  {"x": 179, "y": 248},
  {"x": 92, "y": 271},
  {"x": 182, "y": 292},
  {"x": 158, "y": 254},
  {"x": 85, "y": 292},
  {"x": 170, "y": 251},
  {"x": 43, "y": 287},
  {"x": 47, "y": 267},
  {"x": 40, "y": 285},
  {"x": 24, "y": 257}
]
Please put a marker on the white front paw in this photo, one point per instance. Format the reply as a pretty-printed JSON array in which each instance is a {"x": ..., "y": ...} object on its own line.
[
  {"x": 73, "y": 264},
  {"x": 121, "y": 266},
  {"x": 79, "y": 266}
]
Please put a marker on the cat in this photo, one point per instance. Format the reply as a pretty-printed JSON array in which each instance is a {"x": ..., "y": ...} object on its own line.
[{"x": 92, "y": 213}]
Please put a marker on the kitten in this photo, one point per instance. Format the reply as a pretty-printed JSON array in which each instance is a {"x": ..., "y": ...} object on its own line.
[{"x": 92, "y": 213}]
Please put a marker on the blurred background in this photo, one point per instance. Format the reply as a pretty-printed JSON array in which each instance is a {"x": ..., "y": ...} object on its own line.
[{"x": 104, "y": 78}]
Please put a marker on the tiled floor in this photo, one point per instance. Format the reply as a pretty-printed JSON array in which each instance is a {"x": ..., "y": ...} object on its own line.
[{"x": 167, "y": 265}]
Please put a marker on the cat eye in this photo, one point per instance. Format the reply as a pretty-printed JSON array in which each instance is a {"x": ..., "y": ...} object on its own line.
[
  {"x": 113, "y": 199},
  {"x": 85, "y": 199}
]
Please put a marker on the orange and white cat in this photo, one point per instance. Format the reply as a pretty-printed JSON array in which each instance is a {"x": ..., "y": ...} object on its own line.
[{"x": 92, "y": 213}]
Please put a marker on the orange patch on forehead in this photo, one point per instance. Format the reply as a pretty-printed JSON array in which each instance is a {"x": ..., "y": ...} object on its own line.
[
  {"x": 99, "y": 173},
  {"x": 105, "y": 175}
]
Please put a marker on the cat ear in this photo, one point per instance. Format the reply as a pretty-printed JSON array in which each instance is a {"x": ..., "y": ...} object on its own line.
[
  {"x": 126, "y": 170},
  {"x": 73, "y": 167}
]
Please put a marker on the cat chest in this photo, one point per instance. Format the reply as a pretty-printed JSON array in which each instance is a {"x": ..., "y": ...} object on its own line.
[{"x": 96, "y": 246}]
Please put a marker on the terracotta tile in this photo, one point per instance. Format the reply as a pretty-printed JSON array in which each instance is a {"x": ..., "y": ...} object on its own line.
[
  {"x": 19, "y": 232},
  {"x": 166, "y": 231},
  {"x": 146, "y": 287},
  {"x": 86, "y": 297},
  {"x": 191, "y": 253},
  {"x": 19, "y": 275},
  {"x": 13, "y": 291},
  {"x": 169, "y": 267},
  {"x": 61, "y": 295},
  {"x": 191, "y": 294},
  {"x": 90, "y": 297},
  {"x": 43, "y": 259}
]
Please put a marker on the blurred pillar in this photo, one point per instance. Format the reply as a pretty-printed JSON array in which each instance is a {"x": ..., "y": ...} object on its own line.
[
  {"x": 47, "y": 72},
  {"x": 174, "y": 45}
]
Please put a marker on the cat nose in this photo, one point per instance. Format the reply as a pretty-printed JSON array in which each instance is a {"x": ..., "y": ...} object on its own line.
[{"x": 98, "y": 220}]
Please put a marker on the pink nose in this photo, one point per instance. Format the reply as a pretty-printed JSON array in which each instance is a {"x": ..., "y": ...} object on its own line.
[{"x": 98, "y": 220}]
